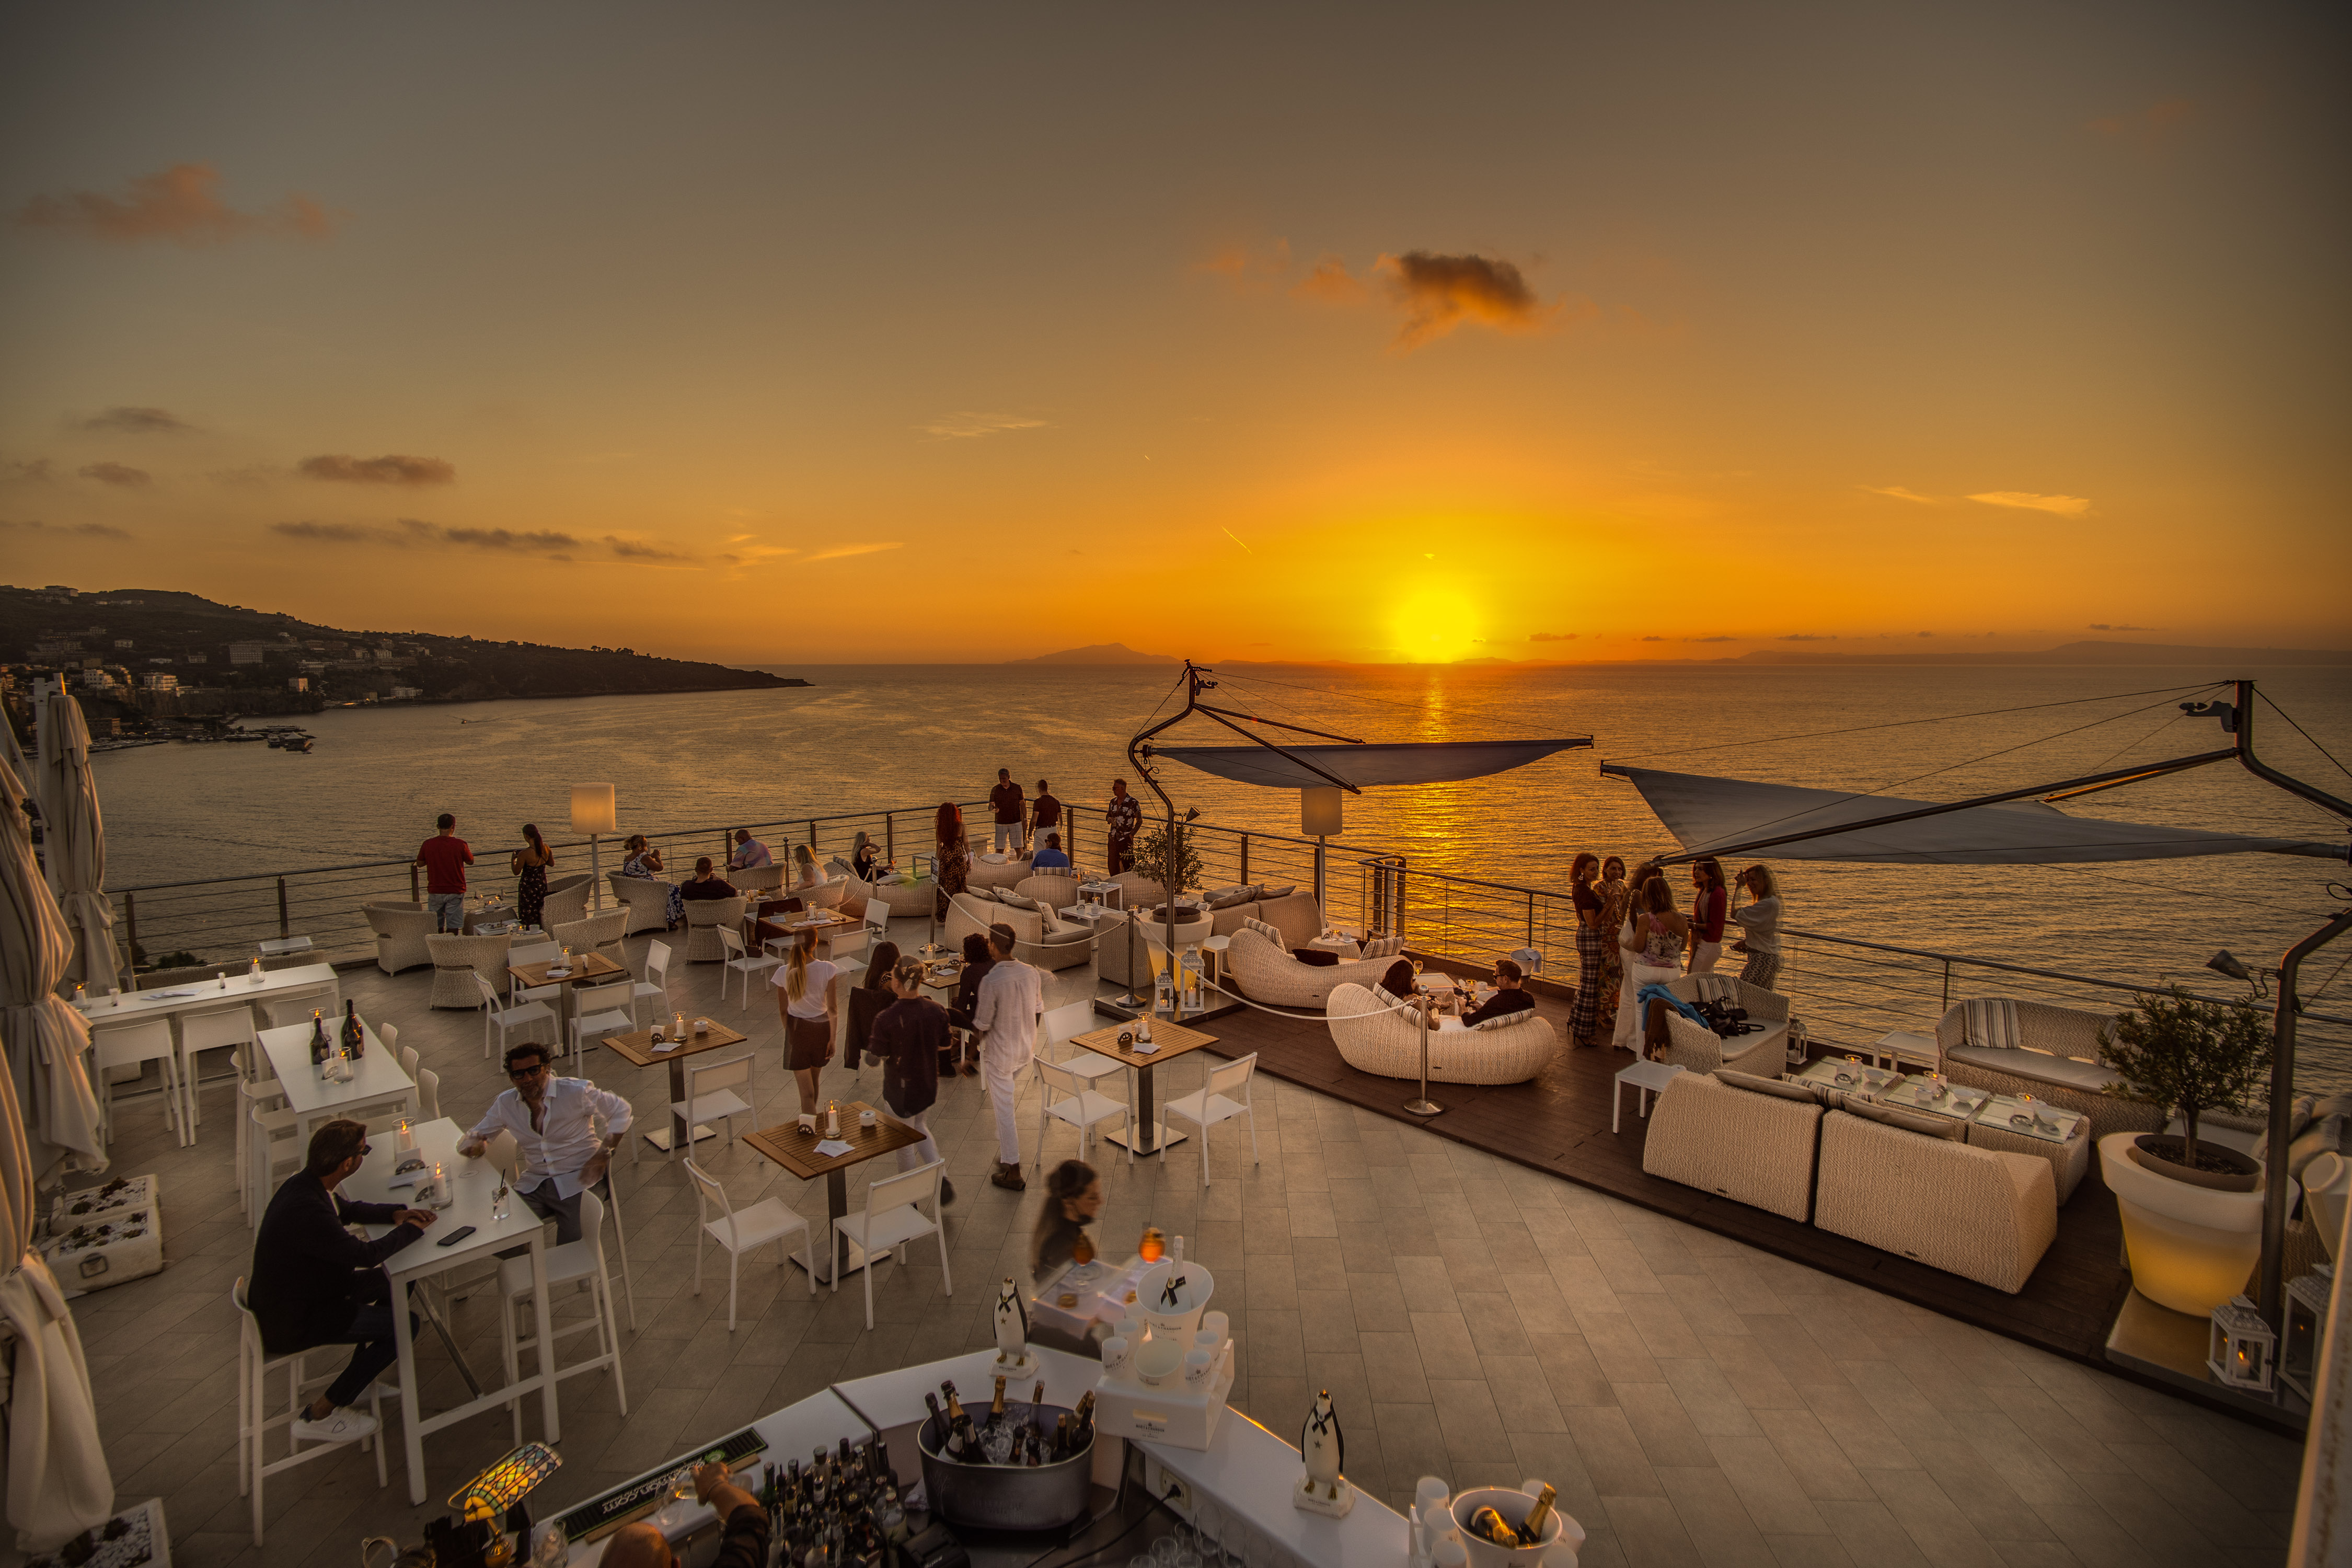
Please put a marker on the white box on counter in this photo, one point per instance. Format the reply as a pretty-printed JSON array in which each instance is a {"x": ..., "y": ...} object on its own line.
[{"x": 1176, "y": 1415}]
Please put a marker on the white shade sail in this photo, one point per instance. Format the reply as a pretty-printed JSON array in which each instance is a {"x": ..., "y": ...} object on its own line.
[
  {"x": 1367, "y": 767},
  {"x": 1705, "y": 815}
]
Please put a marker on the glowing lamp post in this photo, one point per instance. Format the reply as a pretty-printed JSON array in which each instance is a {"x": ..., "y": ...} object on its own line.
[
  {"x": 1319, "y": 816},
  {"x": 594, "y": 812}
]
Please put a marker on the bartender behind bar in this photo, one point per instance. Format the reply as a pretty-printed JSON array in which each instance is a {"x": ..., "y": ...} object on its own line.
[{"x": 744, "y": 1546}]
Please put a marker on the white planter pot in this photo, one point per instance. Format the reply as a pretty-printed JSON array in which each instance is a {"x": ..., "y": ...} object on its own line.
[{"x": 2191, "y": 1248}]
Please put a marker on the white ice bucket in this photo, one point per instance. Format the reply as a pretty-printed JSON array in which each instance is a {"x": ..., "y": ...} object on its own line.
[{"x": 1198, "y": 1283}]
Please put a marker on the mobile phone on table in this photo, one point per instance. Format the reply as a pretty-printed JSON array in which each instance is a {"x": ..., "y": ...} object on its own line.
[{"x": 454, "y": 1237}]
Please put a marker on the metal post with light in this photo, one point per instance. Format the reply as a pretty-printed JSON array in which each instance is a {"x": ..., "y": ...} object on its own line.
[
  {"x": 1320, "y": 810},
  {"x": 594, "y": 812}
]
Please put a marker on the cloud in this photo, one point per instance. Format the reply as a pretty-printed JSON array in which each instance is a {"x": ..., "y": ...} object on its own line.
[
  {"x": 1439, "y": 293},
  {"x": 963, "y": 427},
  {"x": 183, "y": 205},
  {"x": 414, "y": 533},
  {"x": 1551, "y": 637},
  {"x": 2103, "y": 627},
  {"x": 1654, "y": 639},
  {"x": 1927, "y": 634},
  {"x": 1805, "y": 637},
  {"x": 1332, "y": 282},
  {"x": 2064, "y": 505},
  {"x": 837, "y": 552},
  {"x": 537, "y": 543},
  {"x": 87, "y": 529},
  {"x": 334, "y": 533},
  {"x": 117, "y": 474},
  {"x": 1717, "y": 638},
  {"x": 393, "y": 468},
  {"x": 636, "y": 550},
  {"x": 137, "y": 422},
  {"x": 20, "y": 470},
  {"x": 1898, "y": 493},
  {"x": 1238, "y": 540}
]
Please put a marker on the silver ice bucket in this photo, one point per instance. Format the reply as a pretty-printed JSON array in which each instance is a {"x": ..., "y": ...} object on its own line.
[{"x": 1007, "y": 1497}]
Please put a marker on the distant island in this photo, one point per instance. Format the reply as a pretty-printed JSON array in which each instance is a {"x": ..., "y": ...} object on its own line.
[
  {"x": 140, "y": 658},
  {"x": 1099, "y": 653}
]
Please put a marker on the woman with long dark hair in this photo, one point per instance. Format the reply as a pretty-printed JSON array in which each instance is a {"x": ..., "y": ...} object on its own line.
[
  {"x": 1073, "y": 1196},
  {"x": 1621, "y": 914},
  {"x": 867, "y": 1001},
  {"x": 954, "y": 855},
  {"x": 530, "y": 864},
  {"x": 1590, "y": 941},
  {"x": 1655, "y": 949},
  {"x": 1709, "y": 906}
]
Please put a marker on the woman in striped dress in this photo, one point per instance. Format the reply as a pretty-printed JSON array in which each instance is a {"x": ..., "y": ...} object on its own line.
[
  {"x": 1760, "y": 927},
  {"x": 1590, "y": 943}
]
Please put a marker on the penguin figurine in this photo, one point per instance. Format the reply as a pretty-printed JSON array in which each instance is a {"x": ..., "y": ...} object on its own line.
[
  {"x": 1012, "y": 1323},
  {"x": 1324, "y": 1448}
]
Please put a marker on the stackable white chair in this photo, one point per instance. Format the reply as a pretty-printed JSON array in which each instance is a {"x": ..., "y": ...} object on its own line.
[
  {"x": 550, "y": 994},
  {"x": 502, "y": 1022},
  {"x": 202, "y": 1032},
  {"x": 254, "y": 1425},
  {"x": 1213, "y": 1104},
  {"x": 428, "y": 1094},
  {"x": 273, "y": 1152},
  {"x": 890, "y": 1219},
  {"x": 264, "y": 1095},
  {"x": 135, "y": 1045},
  {"x": 1060, "y": 1025},
  {"x": 1062, "y": 1095},
  {"x": 620, "y": 1231},
  {"x": 285, "y": 1011},
  {"x": 741, "y": 1232},
  {"x": 574, "y": 1262},
  {"x": 598, "y": 1011},
  {"x": 742, "y": 964},
  {"x": 711, "y": 1094},
  {"x": 654, "y": 984},
  {"x": 408, "y": 1059}
]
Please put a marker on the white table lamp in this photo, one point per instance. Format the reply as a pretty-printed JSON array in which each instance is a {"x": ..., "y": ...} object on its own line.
[{"x": 594, "y": 812}]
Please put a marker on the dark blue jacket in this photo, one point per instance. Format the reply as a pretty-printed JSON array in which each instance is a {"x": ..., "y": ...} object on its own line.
[{"x": 304, "y": 1285}]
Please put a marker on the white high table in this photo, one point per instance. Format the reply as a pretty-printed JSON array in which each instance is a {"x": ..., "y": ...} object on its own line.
[
  {"x": 203, "y": 997},
  {"x": 471, "y": 1182},
  {"x": 377, "y": 1077}
]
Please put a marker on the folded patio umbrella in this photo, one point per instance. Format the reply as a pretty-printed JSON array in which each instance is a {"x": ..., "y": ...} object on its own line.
[
  {"x": 73, "y": 842},
  {"x": 1708, "y": 814},
  {"x": 58, "y": 1482},
  {"x": 44, "y": 1036}
]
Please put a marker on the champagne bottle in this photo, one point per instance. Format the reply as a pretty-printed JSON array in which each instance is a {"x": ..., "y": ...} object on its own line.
[
  {"x": 1082, "y": 1431},
  {"x": 1489, "y": 1525},
  {"x": 318, "y": 1038},
  {"x": 1168, "y": 1293},
  {"x": 959, "y": 1429},
  {"x": 1531, "y": 1532},
  {"x": 355, "y": 1037}
]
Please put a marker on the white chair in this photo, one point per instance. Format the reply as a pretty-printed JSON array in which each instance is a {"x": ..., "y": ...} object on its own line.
[
  {"x": 765, "y": 1221},
  {"x": 537, "y": 953},
  {"x": 253, "y": 1427},
  {"x": 202, "y": 1032},
  {"x": 267, "y": 1095},
  {"x": 742, "y": 964},
  {"x": 711, "y": 1094},
  {"x": 655, "y": 986},
  {"x": 1064, "y": 1024},
  {"x": 428, "y": 1094},
  {"x": 1212, "y": 1104},
  {"x": 273, "y": 1152},
  {"x": 389, "y": 1034},
  {"x": 874, "y": 928},
  {"x": 285, "y": 1010},
  {"x": 136, "y": 1045},
  {"x": 574, "y": 1262},
  {"x": 408, "y": 1059},
  {"x": 598, "y": 1011},
  {"x": 502, "y": 1022},
  {"x": 1080, "y": 1106},
  {"x": 890, "y": 1219},
  {"x": 620, "y": 1231}
]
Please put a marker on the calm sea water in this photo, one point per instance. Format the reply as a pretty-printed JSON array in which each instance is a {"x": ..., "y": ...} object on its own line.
[{"x": 914, "y": 735}]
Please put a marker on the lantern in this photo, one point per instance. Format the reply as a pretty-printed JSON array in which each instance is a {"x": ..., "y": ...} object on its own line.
[
  {"x": 594, "y": 812},
  {"x": 2239, "y": 1351},
  {"x": 2306, "y": 1324}
]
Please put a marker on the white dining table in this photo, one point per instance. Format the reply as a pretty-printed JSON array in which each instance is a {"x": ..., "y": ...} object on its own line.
[
  {"x": 203, "y": 997},
  {"x": 471, "y": 1184},
  {"x": 377, "y": 1077}
]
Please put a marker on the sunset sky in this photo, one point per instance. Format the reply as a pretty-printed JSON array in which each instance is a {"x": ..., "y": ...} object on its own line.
[{"x": 1354, "y": 333}]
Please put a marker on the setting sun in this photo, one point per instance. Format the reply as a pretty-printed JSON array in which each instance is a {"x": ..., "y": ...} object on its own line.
[{"x": 1436, "y": 624}]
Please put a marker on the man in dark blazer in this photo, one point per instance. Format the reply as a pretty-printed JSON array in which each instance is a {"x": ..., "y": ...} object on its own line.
[{"x": 314, "y": 1283}]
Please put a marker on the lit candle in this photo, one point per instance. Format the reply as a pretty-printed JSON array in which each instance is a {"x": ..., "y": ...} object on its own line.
[
  {"x": 833, "y": 1119},
  {"x": 405, "y": 1141}
]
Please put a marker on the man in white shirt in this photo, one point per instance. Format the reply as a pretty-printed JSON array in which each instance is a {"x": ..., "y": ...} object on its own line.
[
  {"x": 553, "y": 1122},
  {"x": 1010, "y": 998},
  {"x": 749, "y": 852}
]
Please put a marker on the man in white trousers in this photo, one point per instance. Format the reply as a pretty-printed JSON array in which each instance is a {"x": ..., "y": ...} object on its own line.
[{"x": 1011, "y": 999}]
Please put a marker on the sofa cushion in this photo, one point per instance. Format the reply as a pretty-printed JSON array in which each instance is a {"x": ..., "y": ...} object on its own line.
[
  {"x": 1756, "y": 1083},
  {"x": 1317, "y": 957},
  {"x": 2328, "y": 1135},
  {"x": 1991, "y": 1022},
  {"x": 2040, "y": 1066},
  {"x": 1951, "y": 1127},
  {"x": 1006, "y": 896},
  {"x": 1296, "y": 916},
  {"x": 1226, "y": 898},
  {"x": 1384, "y": 947},
  {"x": 1061, "y": 935},
  {"x": 1381, "y": 995},
  {"x": 838, "y": 867},
  {"x": 1267, "y": 891},
  {"x": 1266, "y": 930},
  {"x": 1506, "y": 1020}
]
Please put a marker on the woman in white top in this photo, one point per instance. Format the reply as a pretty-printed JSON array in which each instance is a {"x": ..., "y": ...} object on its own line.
[
  {"x": 804, "y": 1003},
  {"x": 804, "y": 871},
  {"x": 1760, "y": 927}
]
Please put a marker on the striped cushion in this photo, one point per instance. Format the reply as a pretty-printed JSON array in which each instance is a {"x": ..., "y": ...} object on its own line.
[
  {"x": 1252, "y": 923},
  {"x": 1716, "y": 988},
  {"x": 1384, "y": 947},
  {"x": 1991, "y": 1021}
]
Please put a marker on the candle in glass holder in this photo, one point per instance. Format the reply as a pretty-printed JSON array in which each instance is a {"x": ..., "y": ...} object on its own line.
[
  {"x": 833, "y": 1119},
  {"x": 404, "y": 1141}
]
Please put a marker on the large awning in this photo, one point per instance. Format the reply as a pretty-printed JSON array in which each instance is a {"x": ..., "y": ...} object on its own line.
[
  {"x": 1369, "y": 767},
  {"x": 1711, "y": 815}
]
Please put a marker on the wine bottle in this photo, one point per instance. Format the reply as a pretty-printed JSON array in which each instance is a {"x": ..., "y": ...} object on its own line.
[
  {"x": 355, "y": 1037},
  {"x": 1531, "y": 1532},
  {"x": 318, "y": 1038},
  {"x": 960, "y": 1433},
  {"x": 1486, "y": 1524},
  {"x": 1082, "y": 1432}
]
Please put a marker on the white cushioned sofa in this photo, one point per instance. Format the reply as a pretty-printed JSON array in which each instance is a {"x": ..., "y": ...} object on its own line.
[
  {"x": 2055, "y": 1057},
  {"x": 1266, "y": 973},
  {"x": 1056, "y": 945},
  {"x": 1982, "y": 1213},
  {"x": 1512, "y": 1049},
  {"x": 1735, "y": 1139}
]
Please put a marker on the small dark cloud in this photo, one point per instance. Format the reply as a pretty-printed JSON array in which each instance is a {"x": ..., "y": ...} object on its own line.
[
  {"x": 1711, "y": 639},
  {"x": 1927, "y": 634},
  {"x": 86, "y": 529},
  {"x": 536, "y": 543},
  {"x": 2103, "y": 627},
  {"x": 1551, "y": 637},
  {"x": 23, "y": 470},
  {"x": 1654, "y": 639},
  {"x": 331, "y": 532},
  {"x": 635, "y": 550},
  {"x": 1439, "y": 293},
  {"x": 414, "y": 533},
  {"x": 117, "y": 474},
  {"x": 1806, "y": 637},
  {"x": 137, "y": 422},
  {"x": 182, "y": 204},
  {"x": 393, "y": 468}
]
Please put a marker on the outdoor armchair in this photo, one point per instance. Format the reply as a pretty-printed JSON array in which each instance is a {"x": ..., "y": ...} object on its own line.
[
  {"x": 646, "y": 900},
  {"x": 458, "y": 960},
  {"x": 705, "y": 918},
  {"x": 1266, "y": 973},
  {"x": 399, "y": 933},
  {"x": 567, "y": 899}
]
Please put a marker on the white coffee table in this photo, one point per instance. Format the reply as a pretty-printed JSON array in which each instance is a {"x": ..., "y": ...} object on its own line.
[
  {"x": 1648, "y": 1078},
  {"x": 1906, "y": 1048}
]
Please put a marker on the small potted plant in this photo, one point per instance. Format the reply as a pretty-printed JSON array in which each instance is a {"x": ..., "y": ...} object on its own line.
[{"x": 2190, "y": 1057}]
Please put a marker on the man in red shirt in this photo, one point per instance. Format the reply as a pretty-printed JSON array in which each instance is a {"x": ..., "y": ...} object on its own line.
[{"x": 445, "y": 857}]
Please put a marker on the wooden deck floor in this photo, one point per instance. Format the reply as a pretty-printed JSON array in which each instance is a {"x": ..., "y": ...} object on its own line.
[{"x": 1558, "y": 1123}]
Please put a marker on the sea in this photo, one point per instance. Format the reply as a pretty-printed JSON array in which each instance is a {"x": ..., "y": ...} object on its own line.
[{"x": 909, "y": 736}]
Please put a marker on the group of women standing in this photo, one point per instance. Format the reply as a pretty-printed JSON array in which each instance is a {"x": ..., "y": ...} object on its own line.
[{"x": 1629, "y": 934}]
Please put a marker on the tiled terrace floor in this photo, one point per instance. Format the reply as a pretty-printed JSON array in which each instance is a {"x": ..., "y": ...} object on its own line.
[{"x": 1695, "y": 1400}]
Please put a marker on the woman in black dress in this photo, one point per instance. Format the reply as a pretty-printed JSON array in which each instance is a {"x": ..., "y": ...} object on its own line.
[{"x": 530, "y": 864}]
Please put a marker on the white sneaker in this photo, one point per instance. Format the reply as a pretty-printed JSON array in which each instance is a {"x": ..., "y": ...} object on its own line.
[{"x": 338, "y": 1425}]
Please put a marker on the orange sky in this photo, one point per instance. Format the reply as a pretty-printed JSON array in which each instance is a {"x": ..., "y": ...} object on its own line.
[{"x": 1366, "y": 334}]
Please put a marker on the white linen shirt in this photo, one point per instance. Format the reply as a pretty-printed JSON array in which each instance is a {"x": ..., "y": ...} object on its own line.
[
  {"x": 563, "y": 1149},
  {"x": 1010, "y": 997}
]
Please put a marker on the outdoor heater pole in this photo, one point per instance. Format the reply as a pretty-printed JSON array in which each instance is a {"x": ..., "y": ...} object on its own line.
[
  {"x": 1425, "y": 1106},
  {"x": 2270, "y": 1283}
]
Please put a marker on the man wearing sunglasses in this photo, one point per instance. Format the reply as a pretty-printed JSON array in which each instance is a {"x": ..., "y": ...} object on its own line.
[
  {"x": 554, "y": 1121},
  {"x": 1510, "y": 994},
  {"x": 314, "y": 1283}
]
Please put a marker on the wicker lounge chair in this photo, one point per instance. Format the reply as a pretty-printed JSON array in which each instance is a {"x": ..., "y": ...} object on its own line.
[
  {"x": 456, "y": 960},
  {"x": 1982, "y": 1213},
  {"x": 1510, "y": 1049},
  {"x": 598, "y": 933},
  {"x": 1751, "y": 1145},
  {"x": 1065, "y": 947},
  {"x": 1007, "y": 875},
  {"x": 758, "y": 878},
  {"x": 1051, "y": 888},
  {"x": 399, "y": 933},
  {"x": 567, "y": 901},
  {"x": 705, "y": 919},
  {"x": 2056, "y": 1060},
  {"x": 1698, "y": 1049},
  {"x": 917, "y": 898},
  {"x": 646, "y": 900},
  {"x": 1266, "y": 973}
]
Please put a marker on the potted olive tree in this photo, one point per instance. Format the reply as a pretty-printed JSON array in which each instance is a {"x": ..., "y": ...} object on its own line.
[
  {"x": 2190, "y": 1057},
  {"x": 1175, "y": 868}
]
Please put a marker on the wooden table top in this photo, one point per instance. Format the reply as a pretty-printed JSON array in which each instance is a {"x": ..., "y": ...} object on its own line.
[
  {"x": 1173, "y": 1040},
  {"x": 584, "y": 966},
  {"x": 640, "y": 1048},
  {"x": 945, "y": 982},
  {"x": 809, "y": 919},
  {"x": 796, "y": 1151}
]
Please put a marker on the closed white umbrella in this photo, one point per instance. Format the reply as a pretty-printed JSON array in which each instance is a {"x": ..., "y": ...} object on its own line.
[
  {"x": 44, "y": 1036},
  {"x": 58, "y": 1482},
  {"x": 73, "y": 842}
]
